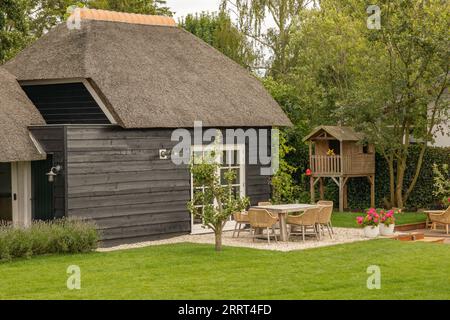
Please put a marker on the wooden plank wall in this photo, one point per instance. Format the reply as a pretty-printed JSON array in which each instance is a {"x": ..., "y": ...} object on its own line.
[
  {"x": 115, "y": 177},
  {"x": 52, "y": 138}
]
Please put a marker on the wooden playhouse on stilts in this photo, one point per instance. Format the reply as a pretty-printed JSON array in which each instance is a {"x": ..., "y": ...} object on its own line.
[{"x": 340, "y": 153}]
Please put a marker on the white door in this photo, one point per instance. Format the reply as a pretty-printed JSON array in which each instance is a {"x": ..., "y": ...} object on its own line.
[
  {"x": 21, "y": 193},
  {"x": 231, "y": 158}
]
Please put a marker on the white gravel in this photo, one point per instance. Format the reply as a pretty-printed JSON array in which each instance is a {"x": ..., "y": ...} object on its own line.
[{"x": 342, "y": 235}]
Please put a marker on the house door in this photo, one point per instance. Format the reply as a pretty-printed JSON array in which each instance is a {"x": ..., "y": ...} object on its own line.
[
  {"x": 5, "y": 192},
  {"x": 231, "y": 158},
  {"x": 42, "y": 190}
]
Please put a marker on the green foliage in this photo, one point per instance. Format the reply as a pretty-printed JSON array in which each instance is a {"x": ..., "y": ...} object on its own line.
[
  {"x": 442, "y": 182},
  {"x": 217, "y": 202},
  {"x": 219, "y": 31},
  {"x": 284, "y": 188},
  {"x": 14, "y": 28},
  {"x": 59, "y": 236},
  {"x": 421, "y": 197}
]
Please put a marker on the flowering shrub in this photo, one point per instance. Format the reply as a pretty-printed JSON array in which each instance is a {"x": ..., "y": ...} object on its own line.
[
  {"x": 387, "y": 217},
  {"x": 372, "y": 218},
  {"x": 442, "y": 183}
]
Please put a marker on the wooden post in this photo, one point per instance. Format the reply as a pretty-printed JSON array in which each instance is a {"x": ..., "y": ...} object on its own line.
[
  {"x": 341, "y": 194},
  {"x": 311, "y": 182},
  {"x": 372, "y": 191},
  {"x": 321, "y": 189},
  {"x": 345, "y": 205}
]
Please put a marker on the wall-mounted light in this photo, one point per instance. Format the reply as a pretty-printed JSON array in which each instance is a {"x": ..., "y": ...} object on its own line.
[
  {"x": 54, "y": 171},
  {"x": 164, "y": 154}
]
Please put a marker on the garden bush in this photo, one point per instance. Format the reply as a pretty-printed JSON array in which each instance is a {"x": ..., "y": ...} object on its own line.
[
  {"x": 422, "y": 195},
  {"x": 58, "y": 236}
]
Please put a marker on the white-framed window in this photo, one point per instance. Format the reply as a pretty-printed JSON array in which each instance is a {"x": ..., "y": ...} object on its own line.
[{"x": 231, "y": 158}]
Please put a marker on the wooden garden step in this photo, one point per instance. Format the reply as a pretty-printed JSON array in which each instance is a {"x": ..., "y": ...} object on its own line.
[
  {"x": 413, "y": 236},
  {"x": 432, "y": 240}
]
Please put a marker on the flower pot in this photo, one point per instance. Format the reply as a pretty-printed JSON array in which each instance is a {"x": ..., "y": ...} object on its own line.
[
  {"x": 371, "y": 231},
  {"x": 387, "y": 230}
]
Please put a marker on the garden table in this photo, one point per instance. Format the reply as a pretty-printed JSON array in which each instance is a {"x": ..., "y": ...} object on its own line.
[{"x": 282, "y": 211}]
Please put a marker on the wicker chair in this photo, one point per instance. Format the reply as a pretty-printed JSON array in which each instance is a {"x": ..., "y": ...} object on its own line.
[
  {"x": 441, "y": 218},
  {"x": 307, "y": 220},
  {"x": 324, "y": 220},
  {"x": 327, "y": 203},
  {"x": 264, "y": 203},
  {"x": 261, "y": 219},
  {"x": 241, "y": 218}
]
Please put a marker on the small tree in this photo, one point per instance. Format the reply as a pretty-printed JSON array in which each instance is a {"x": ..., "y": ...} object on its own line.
[
  {"x": 442, "y": 183},
  {"x": 214, "y": 203}
]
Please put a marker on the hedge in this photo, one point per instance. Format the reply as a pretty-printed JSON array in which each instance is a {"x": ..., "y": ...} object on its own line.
[
  {"x": 422, "y": 195},
  {"x": 58, "y": 236}
]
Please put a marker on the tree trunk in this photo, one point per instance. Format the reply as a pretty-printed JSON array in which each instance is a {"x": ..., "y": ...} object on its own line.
[
  {"x": 218, "y": 236},
  {"x": 399, "y": 183},
  {"x": 390, "y": 160}
]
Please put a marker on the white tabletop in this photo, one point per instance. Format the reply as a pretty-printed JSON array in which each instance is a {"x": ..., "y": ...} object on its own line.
[{"x": 286, "y": 208}]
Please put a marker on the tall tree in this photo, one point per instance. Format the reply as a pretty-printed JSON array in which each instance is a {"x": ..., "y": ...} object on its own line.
[
  {"x": 14, "y": 27},
  {"x": 389, "y": 82},
  {"x": 285, "y": 14},
  {"x": 219, "y": 31}
]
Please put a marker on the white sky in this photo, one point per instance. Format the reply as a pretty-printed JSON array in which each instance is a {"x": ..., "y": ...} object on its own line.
[{"x": 184, "y": 7}]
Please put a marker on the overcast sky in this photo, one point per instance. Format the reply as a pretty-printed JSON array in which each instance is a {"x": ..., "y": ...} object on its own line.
[{"x": 183, "y": 7}]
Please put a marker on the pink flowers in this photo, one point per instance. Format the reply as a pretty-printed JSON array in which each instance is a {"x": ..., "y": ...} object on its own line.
[
  {"x": 360, "y": 220},
  {"x": 374, "y": 218}
]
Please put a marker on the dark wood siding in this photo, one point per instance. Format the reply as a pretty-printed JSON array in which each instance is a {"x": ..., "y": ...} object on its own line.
[
  {"x": 116, "y": 178},
  {"x": 69, "y": 103},
  {"x": 52, "y": 138}
]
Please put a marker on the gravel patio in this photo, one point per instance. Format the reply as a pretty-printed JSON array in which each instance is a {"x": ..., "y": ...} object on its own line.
[{"x": 342, "y": 235}]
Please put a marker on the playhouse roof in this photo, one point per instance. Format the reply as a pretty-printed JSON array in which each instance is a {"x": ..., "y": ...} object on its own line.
[
  {"x": 150, "y": 73},
  {"x": 16, "y": 114},
  {"x": 337, "y": 132}
]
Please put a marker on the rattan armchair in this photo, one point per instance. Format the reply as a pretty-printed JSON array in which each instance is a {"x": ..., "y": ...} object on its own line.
[
  {"x": 330, "y": 204},
  {"x": 264, "y": 203},
  {"x": 324, "y": 220},
  {"x": 440, "y": 218},
  {"x": 241, "y": 219},
  {"x": 261, "y": 219},
  {"x": 307, "y": 220}
]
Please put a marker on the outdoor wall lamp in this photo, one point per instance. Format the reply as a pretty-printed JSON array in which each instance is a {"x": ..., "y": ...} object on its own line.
[{"x": 54, "y": 171}]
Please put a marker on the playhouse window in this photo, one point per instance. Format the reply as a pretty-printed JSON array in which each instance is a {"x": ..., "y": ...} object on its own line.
[{"x": 335, "y": 146}]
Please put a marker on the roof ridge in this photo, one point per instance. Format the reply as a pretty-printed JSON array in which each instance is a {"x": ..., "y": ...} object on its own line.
[{"x": 116, "y": 16}]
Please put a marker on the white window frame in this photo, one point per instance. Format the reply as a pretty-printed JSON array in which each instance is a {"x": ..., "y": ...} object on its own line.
[{"x": 241, "y": 166}]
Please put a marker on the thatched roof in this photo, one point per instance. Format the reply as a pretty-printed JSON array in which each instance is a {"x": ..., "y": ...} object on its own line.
[
  {"x": 337, "y": 132},
  {"x": 16, "y": 114},
  {"x": 152, "y": 75}
]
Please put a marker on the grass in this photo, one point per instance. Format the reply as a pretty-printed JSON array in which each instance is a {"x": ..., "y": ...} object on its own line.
[
  {"x": 348, "y": 219},
  {"x": 194, "y": 271}
]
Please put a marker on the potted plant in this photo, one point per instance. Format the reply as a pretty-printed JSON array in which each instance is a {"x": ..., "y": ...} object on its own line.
[
  {"x": 387, "y": 223},
  {"x": 370, "y": 222}
]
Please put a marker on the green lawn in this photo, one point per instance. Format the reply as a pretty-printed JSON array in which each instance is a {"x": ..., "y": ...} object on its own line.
[
  {"x": 192, "y": 271},
  {"x": 348, "y": 219}
]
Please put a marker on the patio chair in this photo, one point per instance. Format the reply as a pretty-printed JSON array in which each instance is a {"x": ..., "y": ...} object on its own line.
[
  {"x": 324, "y": 220},
  {"x": 261, "y": 219},
  {"x": 307, "y": 220},
  {"x": 441, "y": 218},
  {"x": 264, "y": 203},
  {"x": 241, "y": 218},
  {"x": 327, "y": 203}
]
